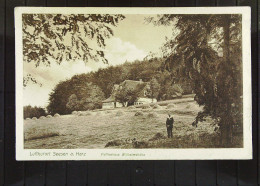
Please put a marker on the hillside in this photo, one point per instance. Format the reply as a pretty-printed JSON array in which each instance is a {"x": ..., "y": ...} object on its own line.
[{"x": 105, "y": 79}]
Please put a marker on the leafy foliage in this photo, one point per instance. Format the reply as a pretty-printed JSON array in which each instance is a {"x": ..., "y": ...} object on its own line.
[
  {"x": 66, "y": 37},
  {"x": 154, "y": 88},
  {"x": 49, "y": 38},
  {"x": 128, "y": 96},
  {"x": 74, "y": 94},
  {"x": 72, "y": 103},
  {"x": 30, "y": 112},
  {"x": 105, "y": 79},
  {"x": 206, "y": 52},
  {"x": 93, "y": 98}
]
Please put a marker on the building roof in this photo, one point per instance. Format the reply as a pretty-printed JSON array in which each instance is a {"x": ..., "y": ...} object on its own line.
[
  {"x": 127, "y": 84},
  {"x": 110, "y": 99},
  {"x": 131, "y": 84},
  {"x": 112, "y": 96}
]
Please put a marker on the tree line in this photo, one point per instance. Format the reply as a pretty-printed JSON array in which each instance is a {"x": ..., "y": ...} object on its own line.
[{"x": 87, "y": 91}]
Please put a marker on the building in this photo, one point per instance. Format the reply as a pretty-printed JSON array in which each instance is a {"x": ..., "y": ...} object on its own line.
[
  {"x": 111, "y": 102},
  {"x": 143, "y": 89}
]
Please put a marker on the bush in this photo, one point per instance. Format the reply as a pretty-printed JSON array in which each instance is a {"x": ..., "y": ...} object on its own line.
[
  {"x": 49, "y": 116},
  {"x": 34, "y": 118},
  {"x": 30, "y": 112},
  {"x": 42, "y": 117}
]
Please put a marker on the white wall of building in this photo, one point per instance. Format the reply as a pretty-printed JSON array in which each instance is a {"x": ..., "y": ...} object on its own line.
[
  {"x": 119, "y": 104},
  {"x": 107, "y": 105},
  {"x": 145, "y": 101}
]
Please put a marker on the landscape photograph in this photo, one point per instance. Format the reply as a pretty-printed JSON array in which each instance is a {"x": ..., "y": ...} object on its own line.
[{"x": 132, "y": 81}]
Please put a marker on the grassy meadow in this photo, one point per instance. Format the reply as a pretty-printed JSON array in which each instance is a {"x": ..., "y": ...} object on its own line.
[{"x": 130, "y": 127}]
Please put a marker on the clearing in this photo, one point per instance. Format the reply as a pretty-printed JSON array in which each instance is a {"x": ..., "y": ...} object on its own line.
[{"x": 124, "y": 128}]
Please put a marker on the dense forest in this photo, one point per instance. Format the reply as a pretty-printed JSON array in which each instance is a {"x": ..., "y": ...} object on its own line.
[{"x": 90, "y": 89}]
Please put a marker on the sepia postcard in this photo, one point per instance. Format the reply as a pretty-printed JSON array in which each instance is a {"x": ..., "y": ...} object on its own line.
[{"x": 133, "y": 83}]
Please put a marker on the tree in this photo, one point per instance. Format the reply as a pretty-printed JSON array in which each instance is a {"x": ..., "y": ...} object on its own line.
[
  {"x": 73, "y": 103},
  {"x": 206, "y": 49},
  {"x": 105, "y": 79},
  {"x": 154, "y": 88},
  {"x": 175, "y": 90},
  {"x": 30, "y": 112},
  {"x": 126, "y": 96},
  {"x": 59, "y": 96},
  {"x": 75, "y": 94},
  {"x": 60, "y": 37},
  {"x": 94, "y": 98}
]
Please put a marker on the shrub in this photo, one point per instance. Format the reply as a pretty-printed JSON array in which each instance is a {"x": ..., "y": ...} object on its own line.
[
  {"x": 42, "y": 117},
  {"x": 49, "y": 116},
  {"x": 34, "y": 118}
]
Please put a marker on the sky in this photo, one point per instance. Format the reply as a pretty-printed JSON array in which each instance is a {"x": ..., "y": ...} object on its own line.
[{"x": 133, "y": 40}]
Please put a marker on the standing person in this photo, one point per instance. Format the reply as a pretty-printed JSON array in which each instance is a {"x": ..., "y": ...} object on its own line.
[{"x": 169, "y": 125}]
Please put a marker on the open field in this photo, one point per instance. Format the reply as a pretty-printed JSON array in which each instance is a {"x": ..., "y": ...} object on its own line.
[{"x": 123, "y": 128}]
